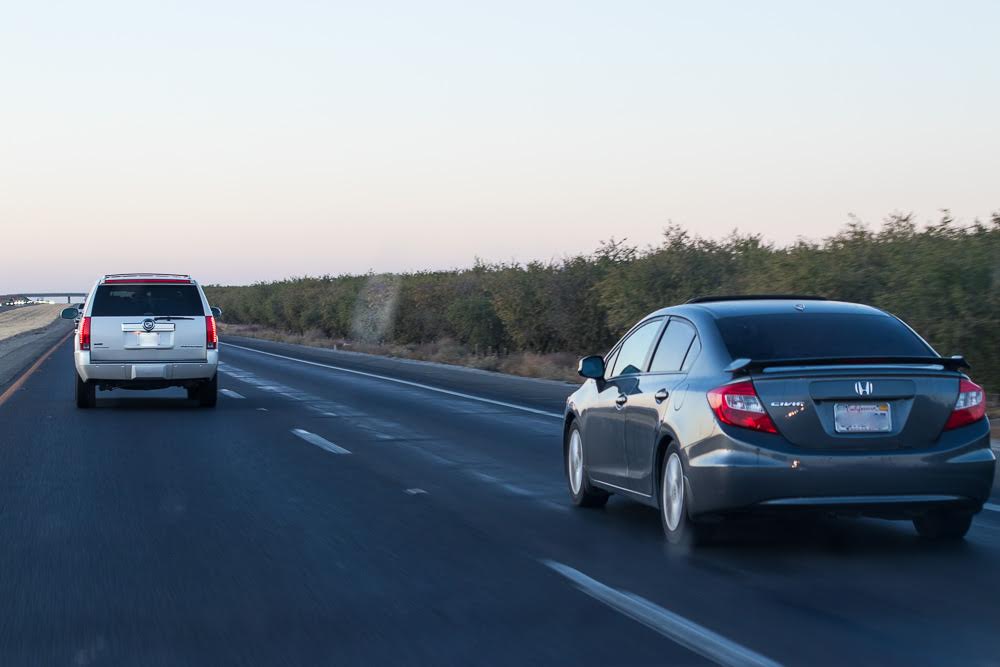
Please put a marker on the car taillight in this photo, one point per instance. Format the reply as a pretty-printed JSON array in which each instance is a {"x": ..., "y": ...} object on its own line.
[
  {"x": 737, "y": 404},
  {"x": 970, "y": 406},
  {"x": 85, "y": 333},
  {"x": 211, "y": 334}
]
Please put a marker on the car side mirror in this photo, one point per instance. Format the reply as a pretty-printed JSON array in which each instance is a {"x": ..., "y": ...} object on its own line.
[
  {"x": 216, "y": 311},
  {"x": 70, "y": 313},
  {"x": 592, "y": 367}
]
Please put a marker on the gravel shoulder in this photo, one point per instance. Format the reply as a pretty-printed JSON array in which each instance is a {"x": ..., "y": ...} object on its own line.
[
  {"x": 25, "y": 319},
  {"x": 26, "y": 333}
]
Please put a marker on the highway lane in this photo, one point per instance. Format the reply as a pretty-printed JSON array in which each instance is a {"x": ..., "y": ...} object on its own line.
[{"x": 150, "y": 531}]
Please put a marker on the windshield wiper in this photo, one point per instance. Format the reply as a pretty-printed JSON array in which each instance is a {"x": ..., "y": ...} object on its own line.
[{"x": 169, "y": 318}]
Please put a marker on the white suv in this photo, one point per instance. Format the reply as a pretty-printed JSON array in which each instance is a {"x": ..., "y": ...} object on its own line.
[{"x": 146, "y": 331}]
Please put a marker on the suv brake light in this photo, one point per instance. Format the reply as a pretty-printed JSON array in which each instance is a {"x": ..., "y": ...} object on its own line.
[
  {"x": 737, "y": 404},
  {"x": 969, "y": 407},
  {"x": 85, "y": 333},
  {"x": 211, "y": 333}
]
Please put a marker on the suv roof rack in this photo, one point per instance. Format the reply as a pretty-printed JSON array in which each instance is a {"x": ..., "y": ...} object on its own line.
[
  {"x": 146, "y": 278},
  {"x": 756, "y": 297}
]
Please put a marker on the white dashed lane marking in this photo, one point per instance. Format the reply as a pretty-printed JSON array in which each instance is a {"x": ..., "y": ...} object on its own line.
[
  {"x": 688, "y": 634},
  {"x": 231, "y": 394},
  {"x": 320, "y": 442}
]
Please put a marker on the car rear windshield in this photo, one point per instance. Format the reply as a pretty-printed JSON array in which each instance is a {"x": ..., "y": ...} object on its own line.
[
  {"x": 812, "y": 335},
  {"x": 146, "y": 300}
]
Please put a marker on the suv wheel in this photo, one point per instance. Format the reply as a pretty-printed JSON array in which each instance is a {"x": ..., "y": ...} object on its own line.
[
  {"x": 207, "y": 394},
  {"x": 945, "y": 525},
  {"x": 580, "y": 491},
  {"x": 86, "y": 393},
  {"x": 674, "y": 494}
]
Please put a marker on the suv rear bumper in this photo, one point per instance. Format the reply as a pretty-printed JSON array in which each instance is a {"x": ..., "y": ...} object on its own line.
[
  {"x": 123, "y": 372},
  {"x": 729, "y": 474}
]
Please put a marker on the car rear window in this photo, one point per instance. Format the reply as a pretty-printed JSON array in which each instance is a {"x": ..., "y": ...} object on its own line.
[
  {"x": 810, "y": 335},
  {"x": 146, "y": 300}
]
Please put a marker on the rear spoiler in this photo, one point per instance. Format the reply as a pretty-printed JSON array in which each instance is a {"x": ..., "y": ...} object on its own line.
[{"x": 750, "y": 365}]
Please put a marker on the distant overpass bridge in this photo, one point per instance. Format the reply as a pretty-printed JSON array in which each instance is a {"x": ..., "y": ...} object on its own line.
[{"x": 56, "y": 296}]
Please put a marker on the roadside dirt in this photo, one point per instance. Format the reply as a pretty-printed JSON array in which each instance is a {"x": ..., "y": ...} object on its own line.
[{"x": 27, "y": 318}]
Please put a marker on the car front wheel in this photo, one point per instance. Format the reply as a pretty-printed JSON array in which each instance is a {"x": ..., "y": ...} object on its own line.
[{"x": 580, "y": 490}]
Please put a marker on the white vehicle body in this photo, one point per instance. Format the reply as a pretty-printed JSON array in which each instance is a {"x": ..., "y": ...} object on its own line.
[{"x": 146, "y": 331}]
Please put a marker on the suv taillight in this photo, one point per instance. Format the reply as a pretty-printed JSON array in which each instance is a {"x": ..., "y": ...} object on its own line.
[
  {"x": 85, "y": 333},
  {"x": 969, "y": 407},
  {"x": 737, "y": 404},
  {"x": 211, "y": 334}
]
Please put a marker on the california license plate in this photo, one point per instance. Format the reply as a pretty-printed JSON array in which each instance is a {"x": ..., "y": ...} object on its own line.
[
  {"x": 862, "y": 417},
  {"x": 148, "y": 339}
]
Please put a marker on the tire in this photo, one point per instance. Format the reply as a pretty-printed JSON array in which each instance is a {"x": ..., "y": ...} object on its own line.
[
  {"x": 673, "y": 501},
  {"x": 86, "y": 393},
  {"x": 943, "y": 525},
  {"x": 580, "y": 490},
  {"x": 208, "y": 393}
]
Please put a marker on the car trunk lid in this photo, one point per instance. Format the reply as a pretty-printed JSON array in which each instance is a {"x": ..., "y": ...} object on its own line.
[{"x": 859, "y": 407}]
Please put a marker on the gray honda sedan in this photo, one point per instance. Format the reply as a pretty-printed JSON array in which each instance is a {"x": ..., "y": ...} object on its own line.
[{"x": 731, "y": 405}]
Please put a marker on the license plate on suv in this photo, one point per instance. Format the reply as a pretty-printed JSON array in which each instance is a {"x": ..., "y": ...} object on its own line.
[{"x": 862, "y": 417}]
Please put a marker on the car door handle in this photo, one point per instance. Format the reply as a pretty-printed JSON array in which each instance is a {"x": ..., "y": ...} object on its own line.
[
  {"x": 621, "y": 400},
  {"x": 661, "y": 395}
]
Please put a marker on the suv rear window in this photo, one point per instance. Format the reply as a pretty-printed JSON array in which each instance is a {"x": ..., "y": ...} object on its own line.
[
  {"x": 146, "y": 300},
  {"x": 811, "y": 335}
]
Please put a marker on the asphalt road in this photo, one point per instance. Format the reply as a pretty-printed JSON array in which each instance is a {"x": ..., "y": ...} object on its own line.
[{"x": 320, "y": 516}]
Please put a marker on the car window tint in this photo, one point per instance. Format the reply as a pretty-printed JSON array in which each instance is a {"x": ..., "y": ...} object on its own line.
[
  {"x": 147, "y": 300},
  {"x": 692, "y": 354},
  {"x": 633, "y": 351},
  {"x": 673, "y": 347},
  {"x": 805, "y": 335}
]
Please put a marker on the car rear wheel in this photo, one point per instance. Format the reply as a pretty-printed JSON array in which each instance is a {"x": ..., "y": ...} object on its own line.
[
  {"x": 86, "y": 393},
  {"x": 580, "y": 489},
  {"x": 943, "y": 525},
  {"x": 674, "y": 494},
  {"x": 207, "y": 394}
]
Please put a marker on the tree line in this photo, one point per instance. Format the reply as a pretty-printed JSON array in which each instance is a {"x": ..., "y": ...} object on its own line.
[{"x": 942, "y": 278}]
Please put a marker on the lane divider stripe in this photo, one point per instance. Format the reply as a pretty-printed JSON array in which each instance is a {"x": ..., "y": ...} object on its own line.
[
  {"x": 449, "y": 392},
  {"x": 687, "y": 633},
  {"x": 991, "y": 507},
  {"x": 320, "y": 442},
  {"x": 19, "y": 382},
  {"x": 231, "y": 394}
]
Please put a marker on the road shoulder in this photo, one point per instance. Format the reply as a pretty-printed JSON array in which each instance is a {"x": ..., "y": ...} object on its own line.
[{"x": 18, "y": 352}]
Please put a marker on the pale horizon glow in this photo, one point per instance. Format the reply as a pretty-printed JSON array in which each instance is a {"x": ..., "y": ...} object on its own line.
[{"x": 246, "y": 141}]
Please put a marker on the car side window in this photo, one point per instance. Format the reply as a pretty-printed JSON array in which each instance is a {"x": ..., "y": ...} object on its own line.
[
  {"x": 692, "y": 355},
  {"x": 673, "y": 347},
  {"x": 632, "y": 354}
]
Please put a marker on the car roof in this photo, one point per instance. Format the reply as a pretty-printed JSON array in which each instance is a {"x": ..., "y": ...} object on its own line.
[{"x": 766, "y": 306}]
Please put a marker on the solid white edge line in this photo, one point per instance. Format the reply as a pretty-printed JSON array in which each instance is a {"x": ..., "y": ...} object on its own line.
[
  {"x": 320, "y": 442},
  {"x": 991, "y": 507},
  {"x": 408, "y": 383},
  {"x": 231, "y": 394},
  {"x": 687, "y": 633}
]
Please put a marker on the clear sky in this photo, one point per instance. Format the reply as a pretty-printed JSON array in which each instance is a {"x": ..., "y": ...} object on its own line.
[{"x": 243, "y": 141}]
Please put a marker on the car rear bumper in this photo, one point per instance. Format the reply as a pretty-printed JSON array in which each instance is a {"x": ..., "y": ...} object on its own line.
[
  {"x": 125, "y": 372},
  {"x": 732, "y": 474}
]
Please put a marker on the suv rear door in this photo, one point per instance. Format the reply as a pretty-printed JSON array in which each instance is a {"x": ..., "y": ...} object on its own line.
[{"x": 148, "y": 322}]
